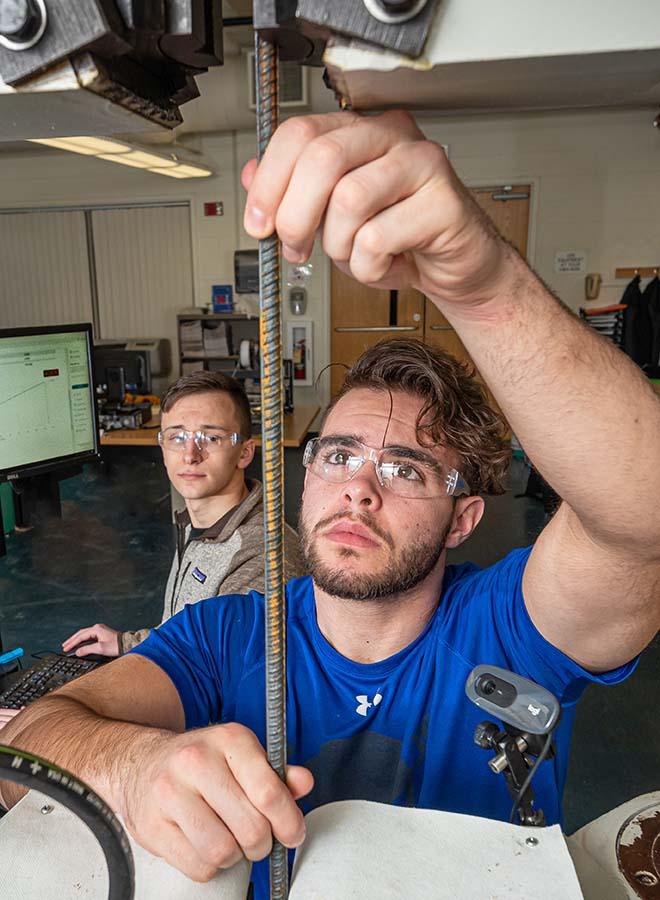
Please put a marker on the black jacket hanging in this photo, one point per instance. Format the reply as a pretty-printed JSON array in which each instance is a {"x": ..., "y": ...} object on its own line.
[
  {"x": 651, "y": 297},
  {"x": 637, "y": 335}
]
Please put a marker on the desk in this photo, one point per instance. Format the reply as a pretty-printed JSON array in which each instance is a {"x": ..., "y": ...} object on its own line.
[{"x": 296, "y": 426}]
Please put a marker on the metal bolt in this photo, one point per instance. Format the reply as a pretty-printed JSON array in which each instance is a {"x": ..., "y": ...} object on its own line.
[
  {"x": 22, "y": 23},
  {"x": 531, "y": 841},
  {"x": 393, "y": 12},
  {"x": 397, "y": 6},
  {"x": 647, "y": 878},
  {"x": 46, "y": 808},
  {"x": 14, "y": 16}
]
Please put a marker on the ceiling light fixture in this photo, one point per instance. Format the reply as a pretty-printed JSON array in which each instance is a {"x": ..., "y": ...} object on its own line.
[
  {"x": 129, "y": 155},
  {"x": 184, "y": 170},
  {"x": 87, "y": 146}
]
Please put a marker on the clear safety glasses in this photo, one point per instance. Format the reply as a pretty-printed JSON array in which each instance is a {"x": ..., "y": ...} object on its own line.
[
  {"x": 210, "y": 441},
  {"x": 402, "y": 470}
]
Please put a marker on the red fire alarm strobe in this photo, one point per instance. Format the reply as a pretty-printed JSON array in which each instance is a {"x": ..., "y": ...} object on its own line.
[{"x": 214, "y": 208}]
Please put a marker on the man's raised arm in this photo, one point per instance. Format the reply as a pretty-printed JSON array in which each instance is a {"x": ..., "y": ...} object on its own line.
[
  {"x": 590, "y": 422},
  {"x": 392, "y": 212}
]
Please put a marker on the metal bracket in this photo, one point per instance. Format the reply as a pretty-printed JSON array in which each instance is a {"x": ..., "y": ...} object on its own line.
[{"x": 289, "y": 22}]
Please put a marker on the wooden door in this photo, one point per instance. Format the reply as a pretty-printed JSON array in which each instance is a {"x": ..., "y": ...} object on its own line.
[{"x": 362, "y": 316}]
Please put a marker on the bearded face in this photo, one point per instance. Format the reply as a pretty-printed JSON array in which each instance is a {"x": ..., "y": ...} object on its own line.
[{"x": 351, "y": 572}]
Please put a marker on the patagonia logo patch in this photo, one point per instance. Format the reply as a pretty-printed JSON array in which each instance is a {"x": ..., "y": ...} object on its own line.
[{"x": 198, "y": 575}]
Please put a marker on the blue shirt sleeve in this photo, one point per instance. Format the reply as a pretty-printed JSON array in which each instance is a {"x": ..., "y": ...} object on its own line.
[
  {"x": 203, "y": 651},
  {"x": 493, "y": 600}
]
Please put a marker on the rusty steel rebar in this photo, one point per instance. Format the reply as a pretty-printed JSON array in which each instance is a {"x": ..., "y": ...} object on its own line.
[{"x": 272, "y": 419}]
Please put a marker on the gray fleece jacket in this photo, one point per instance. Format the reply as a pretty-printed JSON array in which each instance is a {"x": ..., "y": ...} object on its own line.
[{"x": 228, "y": 558}]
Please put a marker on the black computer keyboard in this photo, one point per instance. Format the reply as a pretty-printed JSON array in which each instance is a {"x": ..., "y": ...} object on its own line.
[{"x": 49, "y": 673}]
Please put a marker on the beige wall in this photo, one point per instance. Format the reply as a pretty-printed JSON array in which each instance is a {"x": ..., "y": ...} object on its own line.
[
  {"x": 597, "y": 184},
  {"x": 596, "y": 178}
]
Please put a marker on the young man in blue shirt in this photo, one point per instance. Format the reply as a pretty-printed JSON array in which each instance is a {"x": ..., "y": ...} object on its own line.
[{"x": 381, "y": 639}]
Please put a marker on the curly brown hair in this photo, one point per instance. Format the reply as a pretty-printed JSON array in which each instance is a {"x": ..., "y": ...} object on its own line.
[{"x": 455, "y": 414}]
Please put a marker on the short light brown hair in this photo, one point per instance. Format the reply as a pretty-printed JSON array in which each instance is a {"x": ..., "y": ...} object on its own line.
[
  {"x": 455, "y": 413},
  {"x": 207, "y": 383}
]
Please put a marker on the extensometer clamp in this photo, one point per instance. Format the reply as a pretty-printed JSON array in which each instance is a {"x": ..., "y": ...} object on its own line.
[{"x": 530, "y": 714}]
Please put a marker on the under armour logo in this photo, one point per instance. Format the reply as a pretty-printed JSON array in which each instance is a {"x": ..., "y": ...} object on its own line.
[{"x": 363, "y": 700}]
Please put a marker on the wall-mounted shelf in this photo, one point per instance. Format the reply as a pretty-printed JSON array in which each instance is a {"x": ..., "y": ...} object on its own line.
[
  {"x": 212, "y": 340},
  {"x": 200, "y": 357},
  {"x": 211, "y": 316},
  {"x": 642, "y": 271},
  {"x": 204, "y": 338}
]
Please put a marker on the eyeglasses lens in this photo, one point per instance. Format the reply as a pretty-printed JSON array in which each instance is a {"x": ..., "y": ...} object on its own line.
[
  {"x": 338, "y": 463},
  {"x": 177, "y": 441}
]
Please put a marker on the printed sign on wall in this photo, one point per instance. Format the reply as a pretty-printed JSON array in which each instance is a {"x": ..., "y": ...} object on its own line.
[{"x": 570, "y": 261}]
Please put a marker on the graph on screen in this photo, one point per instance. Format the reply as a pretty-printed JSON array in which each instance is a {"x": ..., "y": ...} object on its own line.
[
  {"x": 45, "y": 398},
  {"x": 28, "y": 413}
]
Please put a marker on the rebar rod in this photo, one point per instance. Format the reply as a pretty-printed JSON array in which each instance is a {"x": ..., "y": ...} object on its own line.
[{"x": 272, "y": 416}]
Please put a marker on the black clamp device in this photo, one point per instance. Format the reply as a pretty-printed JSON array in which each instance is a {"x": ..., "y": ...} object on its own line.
[{"x": 530, "y": 714}]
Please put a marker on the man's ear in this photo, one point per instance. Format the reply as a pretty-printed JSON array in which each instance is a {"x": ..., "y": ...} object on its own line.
[
  {"x": 247, "y": 454},
  {"x": 467, "y": 515}
]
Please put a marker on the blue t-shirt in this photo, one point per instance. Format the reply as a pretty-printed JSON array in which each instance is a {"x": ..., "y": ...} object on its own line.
[{"x": 397, "y": 731}]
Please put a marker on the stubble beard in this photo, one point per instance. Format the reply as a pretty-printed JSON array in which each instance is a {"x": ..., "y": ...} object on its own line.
[{"x": 405, "y": 570}]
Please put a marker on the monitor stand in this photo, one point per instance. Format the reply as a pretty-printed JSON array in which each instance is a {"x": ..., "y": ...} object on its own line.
[{"x": 40, "y": 494}]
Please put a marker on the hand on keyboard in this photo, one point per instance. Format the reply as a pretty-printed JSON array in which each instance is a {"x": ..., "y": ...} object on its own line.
[{"x": 100, "y": 640}]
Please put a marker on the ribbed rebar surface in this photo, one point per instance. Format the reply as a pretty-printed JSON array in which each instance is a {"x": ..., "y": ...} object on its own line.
[{"x": 270, "y": 328}]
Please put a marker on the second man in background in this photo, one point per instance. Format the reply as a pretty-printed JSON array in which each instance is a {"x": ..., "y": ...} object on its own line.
[{"x": 207, "y": 446}]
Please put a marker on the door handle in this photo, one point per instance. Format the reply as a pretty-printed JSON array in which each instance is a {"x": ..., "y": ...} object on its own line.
[
  {"x": 361, "y": 328},
  {"x": 441, "y": 328}
]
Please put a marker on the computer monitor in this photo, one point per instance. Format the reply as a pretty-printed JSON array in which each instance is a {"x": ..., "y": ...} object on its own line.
[
  {"x": 134, "y": 364},
  {"x": 47, "y": 407}
]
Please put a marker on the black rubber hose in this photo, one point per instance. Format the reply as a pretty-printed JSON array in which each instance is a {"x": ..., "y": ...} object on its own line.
[{"x": 34, "y": 772}]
